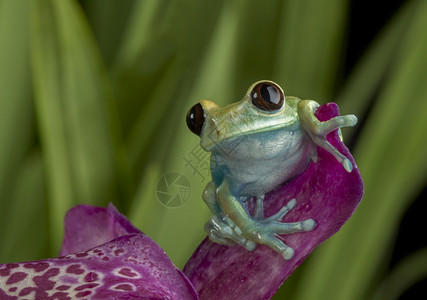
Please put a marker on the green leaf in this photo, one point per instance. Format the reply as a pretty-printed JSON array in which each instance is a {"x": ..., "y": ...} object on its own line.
[
  {"x": 144, "y": 213},
  {"x": 408, "y": 272},
  {"x": 142, "y": 27},
  {"x": 26, "y": 217},
  {"x": 85, "y": 160},
  {"x": 310, "y": 44},
  {"x": 108, "y": 19},
  {"x": 17, "y": 130},
  {"x": 365, "y": 79},
  {"x": 391, "y": 157}
]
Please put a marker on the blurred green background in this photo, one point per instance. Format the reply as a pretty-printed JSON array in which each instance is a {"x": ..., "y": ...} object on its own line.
[{"x": 93, "y": 97}]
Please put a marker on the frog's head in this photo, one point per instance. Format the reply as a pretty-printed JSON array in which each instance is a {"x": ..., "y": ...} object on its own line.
[{"x": 263, "y": 108}]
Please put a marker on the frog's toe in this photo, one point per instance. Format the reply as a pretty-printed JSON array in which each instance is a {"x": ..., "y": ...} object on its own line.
[
  {"x": 345, "y": 121},
  {"x": 216, "y": 226},
  {"x": 350, "y": 120},
  {"x": 309, "y": 225},
  {"x": 249, "y": 245},
  {"x": 291, "y": 204},
  {"x": 287, "y": 228},
  {"x": 259, "y": 207},
  {"x": 227, "y": 221},
  {"x": 323, "y": 143},
  {"x": 323, "y": 128},
  {"x": 282, "y": 212},
  {"x": 223, "y": 231},
  {"x": 288, "y": 253},
  {"x": 275, "y": 243},
  {"x": 220, "y": 240},
  {"x": 348, "y": 166}
]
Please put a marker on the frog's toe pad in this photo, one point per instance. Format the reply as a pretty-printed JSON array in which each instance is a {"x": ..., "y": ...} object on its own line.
[
  {"x": 249, "y": 245},
  {"x": 291, "y": 204},
  {"x": 288, "y": 253},
  {"x": 309, "y": 225},
  {"x": 351, "y": 120},
  {"x": 348, "y": 166}
]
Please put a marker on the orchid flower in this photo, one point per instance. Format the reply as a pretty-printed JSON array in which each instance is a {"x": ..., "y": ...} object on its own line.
[{"x": 104, "y": 256}]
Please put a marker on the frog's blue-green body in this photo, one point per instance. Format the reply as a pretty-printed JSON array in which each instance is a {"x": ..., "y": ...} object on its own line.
[
  {"x": 257, "y": 164},
  {"x": 256, "y": 145}
]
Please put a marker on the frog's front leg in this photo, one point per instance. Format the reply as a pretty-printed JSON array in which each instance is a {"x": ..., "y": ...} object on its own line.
[
  {"x": 209, "y": 197},
  {"x": 219, "y": 227},
  {"x": 318, "y": 130},
  {"x": 262, "y": 231}
]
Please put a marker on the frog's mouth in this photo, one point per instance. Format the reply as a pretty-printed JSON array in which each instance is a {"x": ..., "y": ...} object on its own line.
[
  {"x": 215, "y": 135},
  {"x": 238, "y": 119}
]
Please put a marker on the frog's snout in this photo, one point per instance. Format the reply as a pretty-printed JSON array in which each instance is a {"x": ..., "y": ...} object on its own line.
[{"x": 196, "y": 119}]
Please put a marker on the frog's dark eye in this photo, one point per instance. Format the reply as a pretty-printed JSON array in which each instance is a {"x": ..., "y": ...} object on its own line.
[
  {"x": 267, "y": 96},
  {"x": 196, "y": 118}
]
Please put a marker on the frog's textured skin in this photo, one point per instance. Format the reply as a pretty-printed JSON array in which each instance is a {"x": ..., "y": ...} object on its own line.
[{"x": 256, "y": 145}]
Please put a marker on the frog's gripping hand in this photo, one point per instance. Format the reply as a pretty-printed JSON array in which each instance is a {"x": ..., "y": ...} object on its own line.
[
  {"x": 319, "y": 130},
  {"x": 235, "y": 226}
]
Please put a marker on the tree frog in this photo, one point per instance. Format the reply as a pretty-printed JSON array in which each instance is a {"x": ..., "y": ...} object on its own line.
[{"x": 256, "y": 145}]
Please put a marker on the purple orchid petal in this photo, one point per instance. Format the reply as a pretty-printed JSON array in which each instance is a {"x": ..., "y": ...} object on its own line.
[
  {"x": 325, "y": 192},
  {"x": 129, "y": 267},
  {"x": 89, "y": 226}
]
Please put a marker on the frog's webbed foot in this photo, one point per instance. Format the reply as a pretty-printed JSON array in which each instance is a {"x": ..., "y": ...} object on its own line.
[
  {"x": 318, "y": 130},
  {"x": 266, "y": 231},
  {"x": 223, "y": 231}
]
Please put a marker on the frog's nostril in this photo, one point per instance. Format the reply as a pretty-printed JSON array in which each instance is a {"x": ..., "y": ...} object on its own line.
[{"x": 196, "y": 118}]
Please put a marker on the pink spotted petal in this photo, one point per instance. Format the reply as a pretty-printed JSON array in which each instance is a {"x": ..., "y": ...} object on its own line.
[
  {"x": 325, "y": 192},
  {"x": 89, "y": 226},
  {"x": 129, "y": 267}
]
